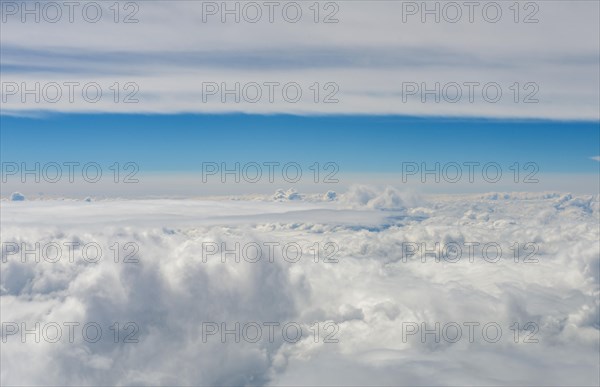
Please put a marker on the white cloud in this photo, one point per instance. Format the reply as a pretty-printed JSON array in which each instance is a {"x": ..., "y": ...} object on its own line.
[
  {"x": 368, "y": 293},
  {"x": 290, "y": 194},
  {"x": 369, "y": 54},
  {"x": 597, "y": 158}
]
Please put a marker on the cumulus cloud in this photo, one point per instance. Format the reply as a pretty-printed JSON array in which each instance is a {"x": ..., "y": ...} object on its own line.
[
  {"x": 368, "y": 293},
  {"x": 597, "y": 158},
  {"x": 378, "y": 198},
  {"x": 330, "y": 195},
  {"x": 290, "y": 194}
]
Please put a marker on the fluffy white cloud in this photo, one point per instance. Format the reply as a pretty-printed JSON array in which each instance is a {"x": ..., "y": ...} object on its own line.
[
  {"x": 369, "y": 293},
  {"x": 290, "y": 194}
]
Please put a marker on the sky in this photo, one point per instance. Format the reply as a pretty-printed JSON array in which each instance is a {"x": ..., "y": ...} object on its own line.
[
  {"x": 179, "y": 143},
  {"x": 154, "y": 103},
  {"x": 350, "y": 84},
  {"x": 188, "y": 154}
]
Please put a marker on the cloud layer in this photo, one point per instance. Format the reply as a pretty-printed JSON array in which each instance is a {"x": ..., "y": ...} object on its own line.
[
  {"x": 369, "y": 294},
  {"x": 369, "y": 55}
]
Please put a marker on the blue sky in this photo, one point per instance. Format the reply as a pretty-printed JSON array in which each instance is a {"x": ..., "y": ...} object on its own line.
[
  {"x": 357, "y": 143},
  {"x": 371, "y": 123}
]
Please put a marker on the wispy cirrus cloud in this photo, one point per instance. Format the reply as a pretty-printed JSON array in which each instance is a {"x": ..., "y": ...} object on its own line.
[{"x": 370, "y": 53}]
